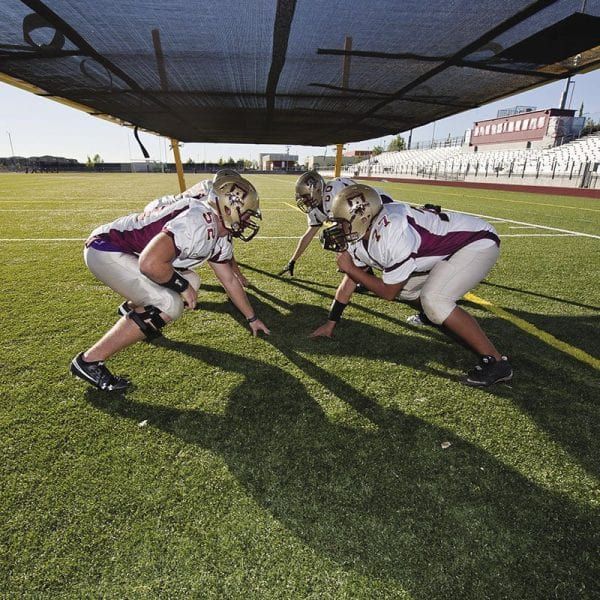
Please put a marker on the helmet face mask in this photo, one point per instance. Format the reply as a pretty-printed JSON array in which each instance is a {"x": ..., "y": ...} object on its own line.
[
  {"x": 337, "y": 236},
  {"x": 236, "y": 201},
  {"x": 353, "y": 210},
  {"x": 309, "y": 191}
]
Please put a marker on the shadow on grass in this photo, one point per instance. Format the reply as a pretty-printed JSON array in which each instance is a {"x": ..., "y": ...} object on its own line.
[
  {"x": 538, "y": 295},
  {"x": 557, "y": 391},
  {"x": 388, "y": 501}
]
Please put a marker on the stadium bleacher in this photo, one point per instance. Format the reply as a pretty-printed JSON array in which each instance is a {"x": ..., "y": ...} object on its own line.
[{"x": 568, "y": 161}]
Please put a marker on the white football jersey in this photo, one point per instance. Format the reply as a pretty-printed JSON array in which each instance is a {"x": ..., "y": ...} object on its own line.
[
  {"x": 193, "y": 230},
  {"x": 318, "y": 216},
  {"x": 194, "y": 234},
  {"x": 405, "y": 239}
]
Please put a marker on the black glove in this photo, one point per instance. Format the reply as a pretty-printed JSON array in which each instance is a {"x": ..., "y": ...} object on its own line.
[{"x": 289, "y": 268}]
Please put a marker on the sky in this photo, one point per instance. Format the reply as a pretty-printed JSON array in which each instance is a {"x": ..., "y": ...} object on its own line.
[{"x": 38, "y": 126}]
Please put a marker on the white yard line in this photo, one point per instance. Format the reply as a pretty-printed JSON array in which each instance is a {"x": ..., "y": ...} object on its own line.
[
  {"x": 282, "y": 237},
  {"x": 64, "y": 210},
  {"x": 258, "y": 237},
  {"x": 520, "y": 235},
  {"x": 42, "y": 239},
  {"x": 521, "y": 227},
  {"x": 489, "y": 217}
]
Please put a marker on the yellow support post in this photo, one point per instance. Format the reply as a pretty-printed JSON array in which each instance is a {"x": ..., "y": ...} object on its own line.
[
  {"x": 345, "y": 78},
  {"x": 338, "y": 160},
  {"x": 178, "y": 165}
]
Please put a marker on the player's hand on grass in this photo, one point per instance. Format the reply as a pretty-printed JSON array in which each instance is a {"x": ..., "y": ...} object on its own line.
[
  {"x": 323, "y": 331},
  {"x": 190, "y": 297},
  {"x": 258, "y": 326},
  {"x": 289, "y": 268}
]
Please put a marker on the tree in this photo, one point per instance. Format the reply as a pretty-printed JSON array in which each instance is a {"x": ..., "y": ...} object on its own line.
[
  {"x": 377, "y": 150},
  {"x": 90, "y": 163},
  {"x": 397, "y": 144}
]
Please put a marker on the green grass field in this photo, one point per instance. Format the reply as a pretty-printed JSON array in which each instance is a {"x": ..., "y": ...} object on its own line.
[{"x": 291, "y": 468}]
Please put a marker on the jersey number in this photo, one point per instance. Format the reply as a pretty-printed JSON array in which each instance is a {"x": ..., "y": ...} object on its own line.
[
  {"x": 210, "y": 232},
  {"x": 385, "y": 222}
]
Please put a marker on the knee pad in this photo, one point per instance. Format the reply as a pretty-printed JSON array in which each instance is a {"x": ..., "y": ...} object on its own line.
[
  {"x": 149, "y": 321},
  {"x": 437, "y": 308}
]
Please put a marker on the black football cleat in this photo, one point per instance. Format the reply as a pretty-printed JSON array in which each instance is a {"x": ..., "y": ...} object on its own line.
[
  {"x": 98, "y": 375},
  {"x": 489, "y": 371}
]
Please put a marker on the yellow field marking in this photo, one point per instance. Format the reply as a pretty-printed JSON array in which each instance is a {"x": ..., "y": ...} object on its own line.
[
  {"x": 506, "y": 199},
  {"x": 294, "y": 207},
  {"x": 538, "y": 333}
]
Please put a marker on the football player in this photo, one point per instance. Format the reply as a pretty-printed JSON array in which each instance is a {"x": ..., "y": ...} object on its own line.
[
  {"x": 146, "y": 258},
  {"x": 313, "y": 197},
  {"x": 198, "y": 193},
  {"x": 426, "y": 256}
]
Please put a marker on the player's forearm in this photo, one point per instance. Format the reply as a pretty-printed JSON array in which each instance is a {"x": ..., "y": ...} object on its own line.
[
  {"x": 238, "y": 296},
  {"x": 156, "y": 270},
  {"x": 235, "y": 268},
  {"x": 345, "y": 290},
  {"x": 374, "y": 284},
  {"x": 304, "y": 242}
]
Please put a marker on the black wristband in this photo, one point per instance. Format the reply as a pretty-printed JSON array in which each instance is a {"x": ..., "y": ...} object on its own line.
[
  {"x": 336, "y": 310},
  {"x": 177, "y": 283},
  {"x": 252, "y": 319}
]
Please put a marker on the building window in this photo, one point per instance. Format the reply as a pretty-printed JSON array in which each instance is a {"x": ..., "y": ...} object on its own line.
[
  {"x": 511, "y": 126},
  {"x": 541, "y": 121},
  {"x": 493, "y": 130},
  {"x": 518, "y": 125},
  {"x": 525, "y": 124},
  {"x": 532, "y": 124},
  {"x": 487, "y": 130}
]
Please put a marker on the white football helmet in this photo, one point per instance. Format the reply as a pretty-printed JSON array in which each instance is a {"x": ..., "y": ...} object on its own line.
[
  {"x": 236, "y": 201},
  {"x": 352, "y": 212},
  {"x": 309, "y": 191}
]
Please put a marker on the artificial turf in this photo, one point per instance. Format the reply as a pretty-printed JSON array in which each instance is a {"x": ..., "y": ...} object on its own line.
[{"x": 289, "y": 468}]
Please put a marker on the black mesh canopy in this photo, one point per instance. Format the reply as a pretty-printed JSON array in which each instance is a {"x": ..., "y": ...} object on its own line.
[{"x": 291, "y": 71}]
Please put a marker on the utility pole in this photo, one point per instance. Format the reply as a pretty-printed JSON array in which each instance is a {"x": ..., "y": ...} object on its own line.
[
  {"x": 12, "y": 150},
  {"x": 565, "y": 94}
]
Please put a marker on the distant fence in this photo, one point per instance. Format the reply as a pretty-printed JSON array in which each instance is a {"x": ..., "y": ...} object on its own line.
[
  {"x": 533, "y": 172},
  {"x": 49, "y": 167}
]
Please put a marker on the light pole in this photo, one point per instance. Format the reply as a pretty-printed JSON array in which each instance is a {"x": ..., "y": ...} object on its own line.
[
  {"x": 565, "y": 94},
  {"x": 12, "y": 150}
]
